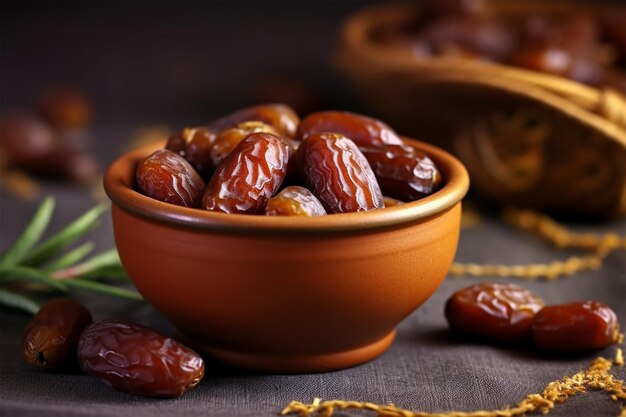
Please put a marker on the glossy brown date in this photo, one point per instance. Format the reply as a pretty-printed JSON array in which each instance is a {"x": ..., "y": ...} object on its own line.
[
  {"x": 575, "y": 327},
  {"x": 280, "y": 117},
  {"x": 362, "y": 130},
  {"x": 494, "y": 311},
  {"x": 138, "y": 360},
  {"x": 70, "y": 164},
  {"x": 558, "y": 61},
  {"x": 403, "y": 172},
  {"x": 576, "y": 33},
  {"x": 194, "y": 144},
  {"x": 469, "y": 38},
  {"x": 25, "y": 141},
  {"x": 28, "y": 143},
  {"x": 544, "y": 58},
  {"x": 294, "y": 201},
  {"x": 249, "y": 176},
  {"x": 228, "y": 139},
  {"x": 168, "y": 177},
  {"x": 338, "y": 174},
  {"x": 51, "y": 336}
]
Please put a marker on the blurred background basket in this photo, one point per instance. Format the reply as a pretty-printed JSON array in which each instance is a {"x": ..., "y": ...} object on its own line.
[{"x": 527, "y": 138}]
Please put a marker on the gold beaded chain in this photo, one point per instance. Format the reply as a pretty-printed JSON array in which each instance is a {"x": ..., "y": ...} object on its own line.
[
  {"x": 554, "y": 233},
  {"x": 596, "y": 377}
]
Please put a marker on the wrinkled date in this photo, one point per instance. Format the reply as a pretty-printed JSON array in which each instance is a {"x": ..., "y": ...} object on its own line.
[
  {"x": 469, "y": 38},
  {"x": 28, "y": 143},
  {"x": 322, "y": 153},
  {"x": 575, "y": 327},
  {"x": 338, "y": 174},
  {"x": 249, "y": 176},
  {"x": 280, "y": 117},
  {"x": 362, "y": 130},
  {"x": 51, "y": 336},
  {"x": 138, "y": 360},
  {"x": 194, "y": 144},
  {"x": 402, "y": 171},
  {"x": 498, "y": 312},
  {"x": 543, "y": 58},
  {"x": 25, "y": 141},
  {"x": 228, "y": 139},
  {"x": 167, "y": 176},
  {"x": 294, "y": 201},
  {"x": 71, "y": 164}
]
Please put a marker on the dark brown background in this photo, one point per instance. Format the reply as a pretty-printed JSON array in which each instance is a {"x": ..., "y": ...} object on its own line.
[{"x": 177, "y": 64}]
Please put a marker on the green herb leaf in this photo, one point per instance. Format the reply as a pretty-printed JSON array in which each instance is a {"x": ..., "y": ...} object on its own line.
[
  {"x": 29, "y": 237},
  {"x": 18, "y": 301},
  {"x": 21, "y": 263},
  {"x": 69, "y": 234},
  {"x": 16, "y": 272},
  {"x": 103, "y": 289},
  {"x": 71, "y": 257},
  {"x": 108, "y": 272},
  {"x": 105, "y": 259}
]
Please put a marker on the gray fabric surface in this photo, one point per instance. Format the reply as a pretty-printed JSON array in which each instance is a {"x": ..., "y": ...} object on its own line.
[
  {"x": 425, "y": 369},
  {"x": 148, "y": 63}
]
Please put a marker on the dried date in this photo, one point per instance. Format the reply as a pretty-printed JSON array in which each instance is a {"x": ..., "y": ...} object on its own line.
[
  {"x": 294, "y": 201},
  {"x": 168, "y": 177},
  {"x": 544, "y": 58},
  {"x": 338, "y": 174},
  {"x": 575, "y": 327},
  {"x": 51, "y": 336},
  {"x": 28, "y": 143},
  {"x": 74, "y": 165},
  {"x": 25, "y": 141},
  {"x": 282, "y": 118},
  {"x": 362, "y": 130},
  {"x": 194, "y": 144},
  {"x": 228, "y": 139},
  {"x": 469, "y": 38},
  {"x": 403, "y": 172},
  {"x": 138, "y": 360},
  {"x": 497, "y": 312},
  {"x": 249, "y": 176}
]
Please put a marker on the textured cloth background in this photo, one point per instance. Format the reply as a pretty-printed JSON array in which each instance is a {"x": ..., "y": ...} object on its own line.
[{"x": 181, "y": 64}]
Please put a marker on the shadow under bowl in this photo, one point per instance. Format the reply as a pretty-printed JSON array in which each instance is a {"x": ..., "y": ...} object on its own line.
[{"x": 287, "y": 294}]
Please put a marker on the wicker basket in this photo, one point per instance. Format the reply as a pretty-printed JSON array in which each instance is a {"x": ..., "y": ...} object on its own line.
[{"x": 527, "y": 138}]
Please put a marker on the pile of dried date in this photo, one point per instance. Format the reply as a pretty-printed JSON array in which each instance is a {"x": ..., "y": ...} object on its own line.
[
  {"x": 588, "y": 47},
  {"x": 264, "y": 160},
  {"x": 52, "y": 141},
  {"x": 510, "y": 314},
  {"x": 124, "y": 355}
]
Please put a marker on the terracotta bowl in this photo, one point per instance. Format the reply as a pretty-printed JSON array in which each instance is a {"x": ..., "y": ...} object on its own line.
[{"x": 287, "y": 294}]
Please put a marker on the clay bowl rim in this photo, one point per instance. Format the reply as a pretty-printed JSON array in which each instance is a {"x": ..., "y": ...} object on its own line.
[{"x": 119, "y": 180}]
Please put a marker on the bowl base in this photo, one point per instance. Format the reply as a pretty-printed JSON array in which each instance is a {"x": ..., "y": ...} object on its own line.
[{"x": 294, "y": 364}]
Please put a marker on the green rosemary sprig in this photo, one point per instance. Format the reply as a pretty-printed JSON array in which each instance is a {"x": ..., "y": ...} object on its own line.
[
  {"x": 11, "y": 299},
  {"x": 28, "y": 264}
]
